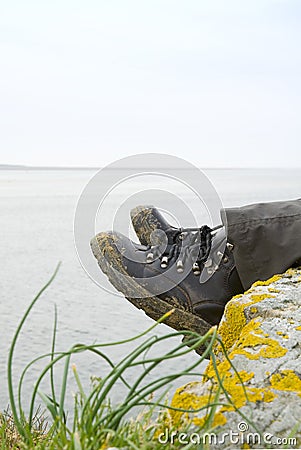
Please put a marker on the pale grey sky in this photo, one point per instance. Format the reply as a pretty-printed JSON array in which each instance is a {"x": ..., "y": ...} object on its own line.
[{"x": 84, "y": 83}]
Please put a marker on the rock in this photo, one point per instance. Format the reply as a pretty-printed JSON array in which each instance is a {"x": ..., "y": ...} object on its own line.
[{"x": 260, "y": 401}]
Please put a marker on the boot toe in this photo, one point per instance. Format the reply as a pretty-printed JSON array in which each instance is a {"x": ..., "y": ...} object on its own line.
[
  {"x": 112, "y": 251},
  {"x": 104, "y": 246},
  {"x": 119, "y": 258}
]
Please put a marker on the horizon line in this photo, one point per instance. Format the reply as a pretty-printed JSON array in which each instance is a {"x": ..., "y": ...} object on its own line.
[{"x": 30, "y": 167}]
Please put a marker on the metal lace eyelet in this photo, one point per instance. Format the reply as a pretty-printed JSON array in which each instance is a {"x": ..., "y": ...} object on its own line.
[
  {"x": 164, "y": 262},
  {"x": 180, "y": 266},
  {"x": 196, "y": 269},
  {"x": 150, "y": 257},
  {"x": 230, "y": 246}
]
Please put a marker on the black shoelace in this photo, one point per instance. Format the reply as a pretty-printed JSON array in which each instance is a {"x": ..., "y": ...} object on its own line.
[{"x": 184, "y": 243}]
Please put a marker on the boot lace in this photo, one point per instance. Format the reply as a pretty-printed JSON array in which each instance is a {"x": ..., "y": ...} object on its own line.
[{"x": 184, "y": 244}]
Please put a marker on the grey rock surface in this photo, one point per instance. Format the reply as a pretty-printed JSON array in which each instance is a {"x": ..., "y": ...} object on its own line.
[{"x": 260, "y": 401}]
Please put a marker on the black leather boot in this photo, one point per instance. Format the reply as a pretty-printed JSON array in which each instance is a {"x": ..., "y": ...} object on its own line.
[{"x": 185, "y": 271}]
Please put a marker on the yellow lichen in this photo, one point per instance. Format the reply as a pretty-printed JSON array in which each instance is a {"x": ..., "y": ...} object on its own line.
[
  {"x": 234, "y": 319},
  {"x": 269, "y": 395},
  {"x": 230, "y": 331},
  {"x": 267, "y": 282},
  {"x": 274, "y": 290},
  {"x": 255, "y": 344},
  {"x": 282, "y": 334},
  {"x": 286, "y": 380},
  {"x": 186, "y": 400},
  {"x": 251, "y": 289},
  {"x": 239, "y": 392},
  {"x": 260, "y": 297},
  {"x": 290, "y": 272}
]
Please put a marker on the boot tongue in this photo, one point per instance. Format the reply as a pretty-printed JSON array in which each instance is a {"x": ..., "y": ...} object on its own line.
[
  {"x": 216, "y": 253},
  {"x": 158, "y": 238}
]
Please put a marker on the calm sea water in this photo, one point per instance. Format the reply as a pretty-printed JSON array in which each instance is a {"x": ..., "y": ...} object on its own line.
[{"x": 36, "y": 224}]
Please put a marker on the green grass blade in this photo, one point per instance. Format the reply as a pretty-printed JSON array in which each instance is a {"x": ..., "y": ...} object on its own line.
[
  {"x": 52, "y": 358},
  {"x": 64, "y": 386},
  {"x": 21, "y": 429}
]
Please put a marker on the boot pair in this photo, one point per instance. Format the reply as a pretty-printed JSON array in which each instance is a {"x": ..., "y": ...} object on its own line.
[{"x": 191, "y": 270}]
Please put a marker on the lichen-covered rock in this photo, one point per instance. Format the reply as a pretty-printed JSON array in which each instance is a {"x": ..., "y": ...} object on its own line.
[{"x": 254, "y": 381}]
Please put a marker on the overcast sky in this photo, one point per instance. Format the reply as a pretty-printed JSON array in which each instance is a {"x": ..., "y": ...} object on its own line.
[{"x": 84, "y": 83}]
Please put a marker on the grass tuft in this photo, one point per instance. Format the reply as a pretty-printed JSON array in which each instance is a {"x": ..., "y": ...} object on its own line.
[{"x": 96, "y": 423}]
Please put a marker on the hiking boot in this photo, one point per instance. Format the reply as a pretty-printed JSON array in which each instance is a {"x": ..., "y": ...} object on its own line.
[{"x": 184, "y": 271}]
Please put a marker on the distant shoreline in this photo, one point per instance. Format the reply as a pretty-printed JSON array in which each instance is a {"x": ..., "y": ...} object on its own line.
[
  {"x": 20, "y": 167},
  {"x": 33, "y": 168}
]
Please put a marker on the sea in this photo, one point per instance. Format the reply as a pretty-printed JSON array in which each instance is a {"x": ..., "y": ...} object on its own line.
[{"x": 37, "y": 212}]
